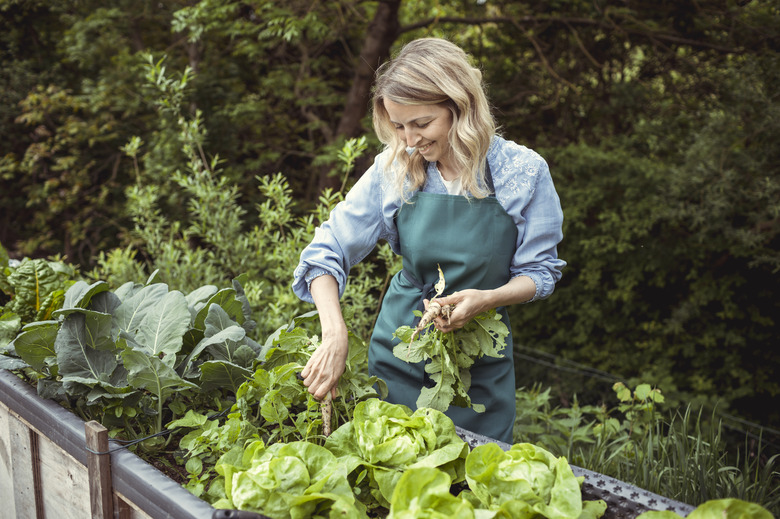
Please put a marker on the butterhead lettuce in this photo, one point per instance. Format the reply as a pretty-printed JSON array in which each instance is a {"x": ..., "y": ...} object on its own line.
[
  {"x": 728, "y": 508},
  {"x": 424, "y": 493},
  {"x": 525, "y": 482},
  {"x": 387, "y": 439},
  {"x": 295, "y": 480}
]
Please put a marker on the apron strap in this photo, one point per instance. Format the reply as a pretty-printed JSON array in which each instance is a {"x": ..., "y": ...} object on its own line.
[{"x": 488, "y": 177}]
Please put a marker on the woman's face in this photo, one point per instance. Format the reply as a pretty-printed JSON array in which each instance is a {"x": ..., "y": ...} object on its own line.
[{"x": 424, "y": 128}]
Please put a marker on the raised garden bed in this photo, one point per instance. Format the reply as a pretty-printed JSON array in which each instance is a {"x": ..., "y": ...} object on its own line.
[{"x": 47, "y": 471}]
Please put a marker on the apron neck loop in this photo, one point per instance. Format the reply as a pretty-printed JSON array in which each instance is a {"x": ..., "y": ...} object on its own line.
[{"x": 488, "y": 177}]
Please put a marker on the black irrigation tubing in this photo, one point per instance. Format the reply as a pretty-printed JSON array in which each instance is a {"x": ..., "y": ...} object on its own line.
[
  {"x": 578, "y": 368},
  {"x": 127, "y": 443},
  {"x": 590, "y": 372}
]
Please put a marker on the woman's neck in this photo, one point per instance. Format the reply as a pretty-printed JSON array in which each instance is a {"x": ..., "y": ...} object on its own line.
[{"x": 446, "y": 172}]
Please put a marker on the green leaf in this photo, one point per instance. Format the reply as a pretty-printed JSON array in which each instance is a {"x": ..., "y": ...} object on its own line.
[
  {"x": 522, "y": 477},
  {"x": 217, "y": 374},
  {"x": 136, "y": 305},
  {"x": 226, "y": 298},
  {"x": 425, "y": 492},
  {"x": 198, "y": 297},
  {"x": 162, "y": 329},
  {"x": 12, "y": 363},
  {"x": 10, "y": 324},
  {"x": 217, "y": 320},
  {"x": 296, "y": 479},
  {"x": 642, "y": 391},
  {"x": 152, "y": 374},
  {"x": 85, "y": 350},
  {"x": 32, "y": 281},
  {"x": 80, "y": 294}
]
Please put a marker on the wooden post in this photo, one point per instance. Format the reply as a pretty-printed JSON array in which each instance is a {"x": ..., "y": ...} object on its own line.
[{"x": 99, "y": 467}]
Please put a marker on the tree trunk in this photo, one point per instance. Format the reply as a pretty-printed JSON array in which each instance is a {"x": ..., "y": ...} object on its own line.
[{"x": 380, "y": 35}]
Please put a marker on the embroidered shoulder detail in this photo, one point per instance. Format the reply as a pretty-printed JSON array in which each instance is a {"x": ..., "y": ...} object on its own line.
[{"x": 515, "y": 169}]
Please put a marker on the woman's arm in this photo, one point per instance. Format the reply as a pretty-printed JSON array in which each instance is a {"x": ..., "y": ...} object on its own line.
[
  {"x": 327, "y": 363},
  {"x": 471, "y": 302}
]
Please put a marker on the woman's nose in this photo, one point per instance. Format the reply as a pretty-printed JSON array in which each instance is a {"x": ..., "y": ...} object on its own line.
[{"x": 412, "y": 137}]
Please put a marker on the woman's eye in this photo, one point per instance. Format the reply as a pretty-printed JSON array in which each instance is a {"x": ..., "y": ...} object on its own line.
[{"x": 423, "y": 125}]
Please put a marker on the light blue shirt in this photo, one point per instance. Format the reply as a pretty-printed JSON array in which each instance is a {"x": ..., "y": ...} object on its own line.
[{"x": 523, "y": 187}]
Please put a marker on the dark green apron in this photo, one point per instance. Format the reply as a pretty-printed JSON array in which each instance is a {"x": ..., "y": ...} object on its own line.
[{"x": 473, "y": 240}]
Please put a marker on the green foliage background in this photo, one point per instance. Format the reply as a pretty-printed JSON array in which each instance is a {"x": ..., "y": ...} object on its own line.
[{"x": 150, "y": 135}]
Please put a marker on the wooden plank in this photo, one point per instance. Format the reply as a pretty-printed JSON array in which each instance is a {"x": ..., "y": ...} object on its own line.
[
  {"x": 6, "y": 470},
  {"x": 126, "y": 509},
  {"x": 99, "y": 469},
  {"x": 25, "y": 469},
  {"x": 122, "y": 510},
  {"x": 64, "y": 482}
]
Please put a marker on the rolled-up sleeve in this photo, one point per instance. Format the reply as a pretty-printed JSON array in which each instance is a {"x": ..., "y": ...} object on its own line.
[
  {"x": 525, "y": 189},
  {"x": 349, "y": 235}
]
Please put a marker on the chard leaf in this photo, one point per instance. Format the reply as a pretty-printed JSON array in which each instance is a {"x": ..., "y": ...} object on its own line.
[
  {"x": 85, "y": 351},
  {"x": 31, "y": 282},
  {"x": 152, "y": 374},
  {"x": 134, "y": 308},
  {"x": 162, "y": 329},
  {"x": 50, "y": 304},
  {"x": 217, "y": 374},
  {"x": 36, "y": 343}
]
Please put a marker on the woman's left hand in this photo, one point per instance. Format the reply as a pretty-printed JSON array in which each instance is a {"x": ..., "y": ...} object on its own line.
[{"x": 468, "y": 304}]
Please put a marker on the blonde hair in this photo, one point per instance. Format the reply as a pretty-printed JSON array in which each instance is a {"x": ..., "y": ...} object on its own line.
[{"x": 435, "y": 71}]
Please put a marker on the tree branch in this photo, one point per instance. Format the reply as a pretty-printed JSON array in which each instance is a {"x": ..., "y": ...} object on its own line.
[{"x": 673, "y": 38}]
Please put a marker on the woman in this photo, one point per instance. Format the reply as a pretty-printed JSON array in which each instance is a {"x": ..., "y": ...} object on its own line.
[{"x": 446, "y": 191}]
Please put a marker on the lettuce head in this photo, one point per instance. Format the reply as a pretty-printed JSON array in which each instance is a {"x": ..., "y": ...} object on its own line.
[{"x": 387, "y": 439}]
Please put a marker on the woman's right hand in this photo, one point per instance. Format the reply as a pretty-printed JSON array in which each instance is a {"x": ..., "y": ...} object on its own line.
[
  {"x": 326, "y": 365},
  {"x": 328, "y": 362}
]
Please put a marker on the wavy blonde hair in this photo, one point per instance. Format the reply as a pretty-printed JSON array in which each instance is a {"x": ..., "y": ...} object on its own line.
[{"x": 435, "y": 71}]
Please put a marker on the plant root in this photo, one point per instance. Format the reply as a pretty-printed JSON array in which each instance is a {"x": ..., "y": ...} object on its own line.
[{"x": 326, "y": 407}]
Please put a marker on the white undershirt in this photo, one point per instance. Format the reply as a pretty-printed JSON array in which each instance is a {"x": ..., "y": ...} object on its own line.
[{"x": 454, "y": 187}]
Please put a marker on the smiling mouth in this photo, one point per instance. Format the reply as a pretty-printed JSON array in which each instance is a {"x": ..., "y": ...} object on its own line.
[{"x": 423, "y": 149}]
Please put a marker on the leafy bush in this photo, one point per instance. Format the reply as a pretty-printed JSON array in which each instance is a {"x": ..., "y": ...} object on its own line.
[{"x": 214, "y": 239}]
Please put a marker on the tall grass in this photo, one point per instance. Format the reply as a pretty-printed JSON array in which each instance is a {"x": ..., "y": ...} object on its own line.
[{"x": 680, "y": 455}]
